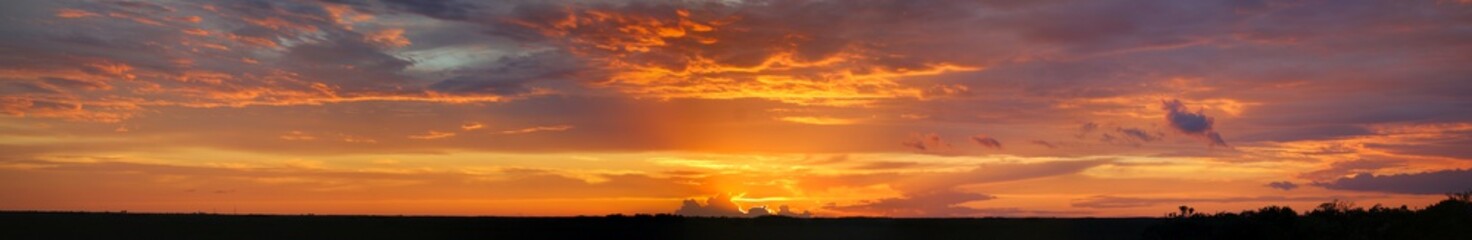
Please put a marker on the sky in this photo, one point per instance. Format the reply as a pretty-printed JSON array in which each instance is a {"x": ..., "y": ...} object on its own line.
[{"x": 896, "y": 108}]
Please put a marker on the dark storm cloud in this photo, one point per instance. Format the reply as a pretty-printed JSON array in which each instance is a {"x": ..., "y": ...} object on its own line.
[{"x": 1433, "y": 182}]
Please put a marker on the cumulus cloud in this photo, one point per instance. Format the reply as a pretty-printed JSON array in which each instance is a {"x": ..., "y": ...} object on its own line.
[
  {"x": 715, "y": 206},
  {"x": 1197, "y": 124},
  {"x": 1433, "y": 182},
  {"x": 784, "y": 210}
]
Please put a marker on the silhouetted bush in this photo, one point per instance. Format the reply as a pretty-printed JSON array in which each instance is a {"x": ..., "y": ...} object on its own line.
[{"x": 1448, "y": 219}]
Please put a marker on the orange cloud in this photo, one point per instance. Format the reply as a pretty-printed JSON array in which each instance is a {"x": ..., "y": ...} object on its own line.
[
  {"x": 555, "y": 128},
  {"x": 297, "y": 136},
  {"x": 390, "y": 38},
  {"x": 74, "y": 13},
  {"x": 672, "y": 56},
  {"x": 432, "y": 135}
]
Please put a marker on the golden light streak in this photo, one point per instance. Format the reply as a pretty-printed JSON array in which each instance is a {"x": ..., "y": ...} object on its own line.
[{"x": 820, "y": 120}]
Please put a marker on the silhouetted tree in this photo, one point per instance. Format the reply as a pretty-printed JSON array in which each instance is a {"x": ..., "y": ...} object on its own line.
[{"x": 1448, "y": 219}]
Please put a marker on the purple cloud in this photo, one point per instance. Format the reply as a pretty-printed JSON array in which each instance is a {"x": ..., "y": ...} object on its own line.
[
  {"x": 1436, "y": 182},
  {"x": 1282, "y": 185},
  {"x": 1196, "y": 124},
  {"x": 986, "y": 141}
]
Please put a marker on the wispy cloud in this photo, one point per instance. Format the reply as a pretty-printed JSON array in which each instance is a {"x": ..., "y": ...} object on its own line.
[
  {"x": 820, "y": 120},
  {"x": 553, "y": 128},
  {"x": 432, "y": 135}
]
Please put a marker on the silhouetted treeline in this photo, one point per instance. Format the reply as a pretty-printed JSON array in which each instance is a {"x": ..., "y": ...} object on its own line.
[{"x": 1448, "y": 219}]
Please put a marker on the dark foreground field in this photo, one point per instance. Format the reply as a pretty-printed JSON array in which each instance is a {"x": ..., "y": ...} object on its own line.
[
  {"x": 29, "y": 225},
  {"x": 1448, "y": 219}
]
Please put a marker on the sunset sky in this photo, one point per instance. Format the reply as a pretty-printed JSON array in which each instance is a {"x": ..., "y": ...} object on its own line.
[{"x": 839, "y": 108}]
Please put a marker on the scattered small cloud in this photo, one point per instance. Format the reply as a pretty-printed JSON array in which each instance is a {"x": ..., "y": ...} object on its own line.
[
  {"x": 817, "y": 160},
  {"x": 357, "y": 139},
  {"x": 1086, "y": 128},
  {"x": 469, "y": 126},
  {"x": 1137, "y": 134},
  {"x": 74, "y": 13},
  {"x": 555, "y": 128},
  {"x": 297, "y": 136},
  {"x": 986, "y": 141},
  {"x": 914, "y": 116},
  {"x": 432, "y": 135},
  {"x": 926, "y": 142},
  {"x": 1046, "y": 144},
  {"x": 1130, "y": 136},
  {"x": 1282, "y": 185}
]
